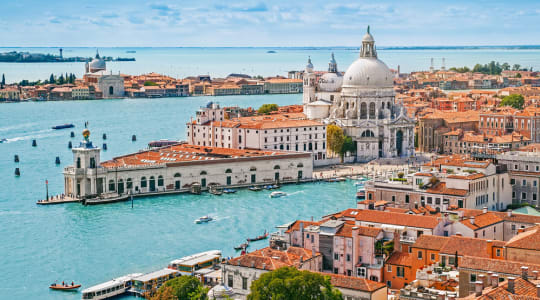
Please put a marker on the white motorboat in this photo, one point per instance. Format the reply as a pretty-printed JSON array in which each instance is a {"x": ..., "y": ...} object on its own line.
[
  {"x": 204, "y": 219},
  {"x": 277, "y": 194}
]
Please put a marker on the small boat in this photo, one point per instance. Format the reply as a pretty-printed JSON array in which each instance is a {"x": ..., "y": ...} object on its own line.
[
  {"x": 215, "y": 190},
  {"x": 242, "y": 246},
  {"x": 63, "y": 126},
  {"x": 229, "y": 191},
  {"x": 255, "y": 188},
  {"x": 270, "y": 51},
  {"x": 3, "y": 140},
  {"x": 277, "y": 194},
  {"x": 60, "y": 287},
  {"x": 260, "y": 237},
  {"x": 131, "y": 51},
  {"x": 359, "y": 183},
  {"x": 204, "y": 219}
]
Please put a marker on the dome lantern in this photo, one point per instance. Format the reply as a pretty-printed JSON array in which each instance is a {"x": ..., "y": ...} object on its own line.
[
  {"x": 309, "y": 66},
  {"x": 368, "y": 45}
]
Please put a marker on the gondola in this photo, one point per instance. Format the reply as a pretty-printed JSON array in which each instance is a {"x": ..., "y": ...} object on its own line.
[
  {"x": 242, "y": 246},
  {"x": 260, "y": 237},
  {"x": 63, "y": 126}
]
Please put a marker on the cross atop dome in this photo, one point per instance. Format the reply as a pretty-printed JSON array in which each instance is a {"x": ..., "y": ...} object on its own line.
[{"x": 368, "y": 45}]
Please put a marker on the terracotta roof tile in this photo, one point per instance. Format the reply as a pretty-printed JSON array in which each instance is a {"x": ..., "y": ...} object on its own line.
[
  {"x": 354, "y": 283},
  {"x": 400, "y": 258},
  {"x": 496, "y": 265},
  {"x": 530, "y": 239},
  {"x": 430, "y": 242}
]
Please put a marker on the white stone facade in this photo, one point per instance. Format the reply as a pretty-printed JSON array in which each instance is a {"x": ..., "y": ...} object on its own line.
[{"x": 364, "y": 106}]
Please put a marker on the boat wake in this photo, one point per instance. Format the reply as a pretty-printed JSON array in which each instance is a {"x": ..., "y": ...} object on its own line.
[
  {"x": 36, "y": 135},
  {"x": 19, "y": 126},
  {"x": 296, "y": 193}
]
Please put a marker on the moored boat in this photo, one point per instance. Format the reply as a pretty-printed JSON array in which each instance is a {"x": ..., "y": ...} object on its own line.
[
  {"x": 229, "y": 191},
  {"x": 3, "y": 140},
  {"x": 63, "y": 126},
  {"x": 260, "y": 237},
  {"x": 277, "y": 194},
  {"x": 255, "y": 188},
  {"x": 110, "y": 288}
]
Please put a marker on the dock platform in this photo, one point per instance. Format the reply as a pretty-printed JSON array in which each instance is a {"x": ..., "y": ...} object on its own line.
[{"x": 58, "y": 200}]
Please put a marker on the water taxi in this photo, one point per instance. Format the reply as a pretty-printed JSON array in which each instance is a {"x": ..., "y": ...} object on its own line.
[
  {"x": 110, "y": 288},
  {"x": 189, "y": 264},
  {"x": 204, "y": 219},
  {"x": 277, "y": 194},
  {"x": 3, "y": 140}
]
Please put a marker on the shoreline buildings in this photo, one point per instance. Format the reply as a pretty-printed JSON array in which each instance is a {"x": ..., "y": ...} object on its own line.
[
  {"x": 111, "y": 86},
  {"x": 361, "y": 102},
  {"x": 176, "y": 168}
]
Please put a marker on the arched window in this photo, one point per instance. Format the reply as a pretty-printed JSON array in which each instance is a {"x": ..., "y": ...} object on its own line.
[
  {"x": 129, "y": 183},
  {"x": 177, "y": 175},
  {"x": 347, "y": 105},
  {"x": 160, "y": 180},
  {"x": 143, "y": 182},
  {"x": 120, "y": 186},
  {"x": 276, "y": 167},
  {"x": 363, "y": 110},
  {"x": 203, "y": 172},
  {"x": 78, "y": 162},
  {"x": 388, "y": 104},
  {"x": 253, "y": 169},
  {"x": 300, "y": 165},
  {"x": 111, "y": 90},
  {"x": 372, "y": 110},
  {"x": 228, "y": 171},
  {"x": 368, "y": 133},
  {"x": 92, "y": 163},
  {"x": 111, "y": 186}
]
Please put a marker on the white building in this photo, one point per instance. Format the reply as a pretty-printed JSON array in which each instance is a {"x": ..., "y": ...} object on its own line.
[
  {"x": 362, "y": 102},
  {"x": 112, "y": 86},
  {"x": 175, "y": 168},
  {"x": 287, "y": 131},
  {"x": 524, "y": 169}
]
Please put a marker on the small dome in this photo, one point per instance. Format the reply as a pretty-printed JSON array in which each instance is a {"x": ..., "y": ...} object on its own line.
[
  {"x": 330, "y": 82},
  {"x": 220, "y": 291},
  {"x": 368, "y": 37},
  {"x": 368, "y": 72},
  {"x": 309, "y": 66},
  {"x": 97, "y": 64}
]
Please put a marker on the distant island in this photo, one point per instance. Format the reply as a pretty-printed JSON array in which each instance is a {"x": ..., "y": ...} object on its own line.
[{"x": 27, "y": 57}]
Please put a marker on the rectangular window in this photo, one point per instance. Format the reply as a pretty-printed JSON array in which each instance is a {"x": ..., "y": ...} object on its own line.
[
  {"x": 524, "y": 182},
  {"x": 336, "y": 256},
  {"x": 389, "y": 268},
  {"x": 406, "y": 198},
  {"x": 432, "y": 257},
  {"x": 393, "y": 198},
  {"x": 400, "y": 272},
  {"x": 244, "y": 283},
  {"x": 498, "y": 252},
  {"x": 419, "y": 254},
  {"x": 523, "y": 196},
  {"x": 473, "y": 278},
  {"x": 230, "y": 281},
  {"x": 348, "y": 257}
]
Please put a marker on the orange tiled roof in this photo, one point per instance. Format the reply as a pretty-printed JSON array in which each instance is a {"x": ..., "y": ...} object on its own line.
[
  {"x": 481, "y": 221},
  {"x": 184, "y": 153},
  {"x": 400, "y": 258},
  {"x": 354, "y": 283},
  {"x": 393, "y": 218},
  {"x": 440, "y": 188},
  {"x": 530, "y": 239},
  {"x": 523, "y": 290},
  {"x": 496, "y": 265},
  {"x": 468, "y": 246},
  {"x": 270, "y": 259},
  {"x": 430, "y": 242}
]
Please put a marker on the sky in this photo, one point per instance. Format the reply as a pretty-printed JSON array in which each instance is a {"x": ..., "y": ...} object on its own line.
[{"x": 287, "y": 23}]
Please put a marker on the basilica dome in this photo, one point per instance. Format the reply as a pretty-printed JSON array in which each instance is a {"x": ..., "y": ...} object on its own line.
[
  {"x": 368, "y": 71},
  {"x": 97, "y": 64}
]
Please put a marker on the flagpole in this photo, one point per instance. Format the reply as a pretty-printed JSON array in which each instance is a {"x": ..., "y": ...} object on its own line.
[{"x": 47, "y": 189}]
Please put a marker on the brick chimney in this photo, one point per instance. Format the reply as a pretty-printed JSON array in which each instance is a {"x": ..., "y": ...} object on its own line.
[
  {"x": 535, "y": 274},
  {"x": 489, "y": 274},
  {"x": 509, "y": 213},
  {"x": 472, "y": 220},
  {"x": 484, "y": 210},
  {"x": 511, "y": 284},
  {"x": 495, "y": 280},
  {"x": 524, "y": 272},
  {"x": 478, "y": 288},
  {"x": 538, "y": 290},
  {"x": 483, "y": 278}
]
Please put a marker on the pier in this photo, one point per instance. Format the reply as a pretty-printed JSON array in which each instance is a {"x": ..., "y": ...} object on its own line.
[{"x": 58, "y": 199}]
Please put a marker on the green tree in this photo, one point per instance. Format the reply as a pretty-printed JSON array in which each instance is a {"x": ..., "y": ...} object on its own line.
[
  {"x": 505, "y": 66},
  {"x": 518, "y": 75},
  {"x": 180, "y": 288},
  {"x": 289, "y": 283},
  {"x": 334, "y": 138},
  {"x": 267, "y": 108},
  {"x": 516, "y": 67},
  {"x": 348, "y": 146},
  {"x": 61, "y": 79},
  {"x": 150, "y": 83},
  {"x": 514, "y": 100},
  {"x": 51, "y": 79},
  {"x": 3, "y": 80}
]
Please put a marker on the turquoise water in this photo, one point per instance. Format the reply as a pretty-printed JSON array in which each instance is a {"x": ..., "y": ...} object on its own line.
[
  {"x": 41, "y": 244},
  {"x": 219, "y": 62}
]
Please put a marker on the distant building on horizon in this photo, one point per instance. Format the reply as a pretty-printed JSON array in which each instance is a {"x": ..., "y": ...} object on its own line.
[{"x": 111, "y": 86}]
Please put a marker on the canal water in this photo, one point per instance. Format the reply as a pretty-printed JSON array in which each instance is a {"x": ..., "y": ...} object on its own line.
[{"x": 89, "y": 245}]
